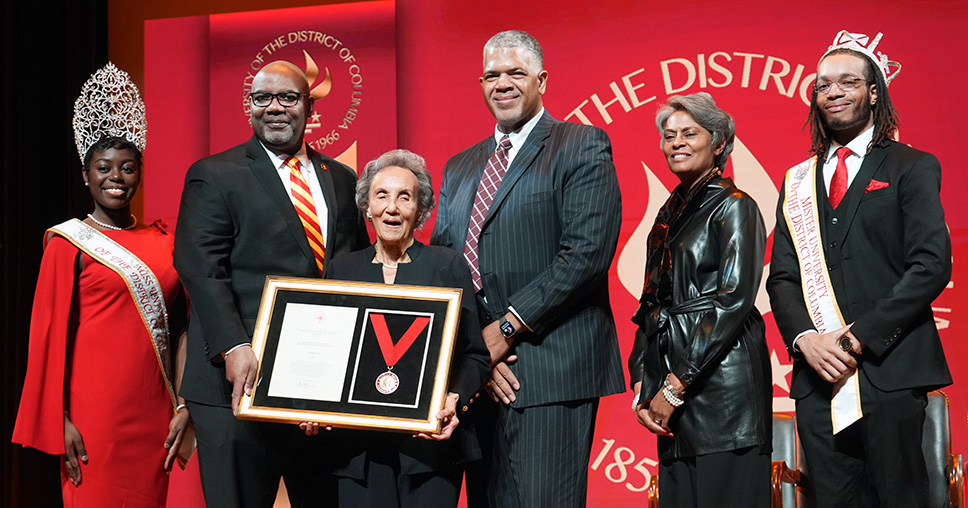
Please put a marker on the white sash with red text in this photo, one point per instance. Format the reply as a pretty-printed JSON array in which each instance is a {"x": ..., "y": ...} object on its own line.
[
  {"x": 146, "y": 291},
  {"x": 800, "y": 211}
]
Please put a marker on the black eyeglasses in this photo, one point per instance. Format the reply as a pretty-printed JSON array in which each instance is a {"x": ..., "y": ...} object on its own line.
[
  {"x": 845, "y": 84},
  {"x": 286, "y": 99}
]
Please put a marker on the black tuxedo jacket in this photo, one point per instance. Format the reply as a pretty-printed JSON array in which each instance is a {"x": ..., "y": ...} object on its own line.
[
  {"x": 545, "y": 248},
  {"x": 237, "y": 225},
  {"x": 888, "y": 254}
]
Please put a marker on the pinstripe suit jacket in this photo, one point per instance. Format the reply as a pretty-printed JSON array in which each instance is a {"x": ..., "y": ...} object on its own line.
[{"x": 545, "y": 248}]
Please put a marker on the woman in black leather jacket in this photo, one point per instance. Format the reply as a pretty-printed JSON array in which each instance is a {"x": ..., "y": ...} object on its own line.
[{"x": 700, "y": 367}]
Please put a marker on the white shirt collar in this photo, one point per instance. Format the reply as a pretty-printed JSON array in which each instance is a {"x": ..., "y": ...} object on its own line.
[
  {"x": 518, "y": 138},
  {"x": 279, "y": 160},
  {"x": 858, "y": 146}
]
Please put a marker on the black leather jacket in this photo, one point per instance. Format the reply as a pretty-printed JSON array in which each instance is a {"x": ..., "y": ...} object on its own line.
[{"x": 706, "y": 330}]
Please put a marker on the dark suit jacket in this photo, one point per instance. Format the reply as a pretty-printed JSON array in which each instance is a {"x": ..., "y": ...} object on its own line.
[
  {"x": 237, "y": 225},
  {"x": 888, "y": 253},
  {"x": 545, "y": 248}
]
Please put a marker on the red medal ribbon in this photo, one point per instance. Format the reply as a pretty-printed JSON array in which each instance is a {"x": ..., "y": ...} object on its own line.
[{"x": 393, "y": 352}]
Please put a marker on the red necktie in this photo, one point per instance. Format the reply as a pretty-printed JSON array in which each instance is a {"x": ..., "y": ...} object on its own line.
[
  {"x": 494, "y": 172},
  {"x": 838, "y": 184},
  {"x": 302, "y": 200}
]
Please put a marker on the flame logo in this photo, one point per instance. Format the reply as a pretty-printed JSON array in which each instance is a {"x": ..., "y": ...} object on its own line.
[
  {"x": 748, "y": 174},
  {"x": 349, "y": 156},
  {"x": 312, "y": 72}
]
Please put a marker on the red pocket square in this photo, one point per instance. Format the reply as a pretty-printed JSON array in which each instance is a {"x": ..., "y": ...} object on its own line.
[{"x": 874, "y": 185}]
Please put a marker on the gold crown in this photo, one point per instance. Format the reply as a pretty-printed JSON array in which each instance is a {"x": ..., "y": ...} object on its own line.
[
  {"x": 862, "y": 44},
  {"x": 109, "y": 105}
]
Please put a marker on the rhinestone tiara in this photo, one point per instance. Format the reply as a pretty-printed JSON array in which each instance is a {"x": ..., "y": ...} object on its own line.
[
  {"x": 862, "y": 44},
  {"x": 109, "y": 105}
]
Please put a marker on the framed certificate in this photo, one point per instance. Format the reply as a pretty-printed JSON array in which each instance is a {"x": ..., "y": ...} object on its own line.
[{"x": 353, "y": 354}]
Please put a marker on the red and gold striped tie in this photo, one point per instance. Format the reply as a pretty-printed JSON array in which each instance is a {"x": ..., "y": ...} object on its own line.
[{"x": 302, "y": 199}]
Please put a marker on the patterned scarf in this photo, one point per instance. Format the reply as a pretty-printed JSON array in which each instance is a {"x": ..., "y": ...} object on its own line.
[{"x": 658, "y": 282}]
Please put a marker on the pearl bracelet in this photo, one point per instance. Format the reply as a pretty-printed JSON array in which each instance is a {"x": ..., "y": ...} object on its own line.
[
  {"x": 676, "y": 393},
  {"x": 670, "y": 398}
]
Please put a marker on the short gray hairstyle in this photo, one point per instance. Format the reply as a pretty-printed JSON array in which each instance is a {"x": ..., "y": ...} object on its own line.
[
  {"x": 702, "y": 108},
  {"x": 520, "y": 40},
  {"x": 403, "y": 159}
]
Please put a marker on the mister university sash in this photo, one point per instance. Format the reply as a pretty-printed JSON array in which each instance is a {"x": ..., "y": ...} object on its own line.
[
  {"x": 145, "y": 290},
  {"x": 803, "y": 222}
]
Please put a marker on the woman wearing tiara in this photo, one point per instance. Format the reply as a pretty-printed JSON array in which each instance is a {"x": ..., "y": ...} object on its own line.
[{"x": 102, "y": 371}]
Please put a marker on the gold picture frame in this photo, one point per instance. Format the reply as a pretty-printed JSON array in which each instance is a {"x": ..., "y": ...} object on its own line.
[{"x": 353, "y": 354}]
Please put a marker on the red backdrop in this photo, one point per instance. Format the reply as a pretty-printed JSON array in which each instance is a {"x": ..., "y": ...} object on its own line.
[{"x": 611, "y": 64}]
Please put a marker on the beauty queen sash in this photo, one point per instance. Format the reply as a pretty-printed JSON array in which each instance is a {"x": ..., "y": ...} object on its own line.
[
  {"x": 144, "y": 287},
  {"x": 800, "y": 212}
]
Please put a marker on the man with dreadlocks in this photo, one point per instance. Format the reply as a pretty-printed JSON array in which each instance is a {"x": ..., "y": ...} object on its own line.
[{"x": 860, "y": 251}]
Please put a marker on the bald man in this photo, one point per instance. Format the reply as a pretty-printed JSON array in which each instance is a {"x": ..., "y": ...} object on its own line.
[{"x": 237, "y": 224}]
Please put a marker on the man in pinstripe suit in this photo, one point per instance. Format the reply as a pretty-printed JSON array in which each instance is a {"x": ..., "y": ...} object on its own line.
[{"x": 541, "y": 249}]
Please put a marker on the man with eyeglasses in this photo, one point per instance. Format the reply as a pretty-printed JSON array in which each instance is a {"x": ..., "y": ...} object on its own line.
[
  {"x": 270, "y": 206},
  {"x": 860, "y": 251}
]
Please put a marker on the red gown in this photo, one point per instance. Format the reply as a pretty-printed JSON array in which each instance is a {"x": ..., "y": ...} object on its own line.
[{"x": 105, "y": 358}]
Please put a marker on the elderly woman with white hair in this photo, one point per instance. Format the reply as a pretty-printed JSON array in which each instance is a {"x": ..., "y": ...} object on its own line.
[
  {"x": 389, "y": 469},
  {"x": 700, "y": 367}
]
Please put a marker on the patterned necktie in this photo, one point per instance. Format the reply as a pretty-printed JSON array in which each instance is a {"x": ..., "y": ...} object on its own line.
[
  {"x": 838, "y": 184},
  {"x": 302, "y": 200},
  {"x": 497, "y": 166}
]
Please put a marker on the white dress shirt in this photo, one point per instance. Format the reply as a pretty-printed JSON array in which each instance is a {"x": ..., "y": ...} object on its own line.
[
  {"x": 309, "y": 173},
  {"x": 858, "y": 147},
  {"x": 518, "y": 138}
]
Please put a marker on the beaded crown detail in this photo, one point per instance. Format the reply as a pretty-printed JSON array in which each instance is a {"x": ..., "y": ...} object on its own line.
[
  {"x": 109, "y": 105},
  {"x": 862, "y": 44}
]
